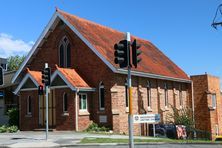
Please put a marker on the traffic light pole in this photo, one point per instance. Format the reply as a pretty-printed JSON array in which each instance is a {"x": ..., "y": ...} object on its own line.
[
  {"x": 46, "y": 105},
  {"x": 130, "y": 116}
]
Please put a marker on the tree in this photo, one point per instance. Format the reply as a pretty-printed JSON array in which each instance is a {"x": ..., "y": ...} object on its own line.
[
  {"x": 181, "y": 116},
  {"x": 14, "y": 62}
]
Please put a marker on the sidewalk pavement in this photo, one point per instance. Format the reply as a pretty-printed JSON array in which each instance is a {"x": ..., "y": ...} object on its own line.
[{"x": 55, "y": 138}]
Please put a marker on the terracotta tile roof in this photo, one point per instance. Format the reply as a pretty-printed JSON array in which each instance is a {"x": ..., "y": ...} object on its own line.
[
  {"x": 103, "y": 39},
  {"x": 73, "y": 77},
  {"x": 37, "y": 75}
]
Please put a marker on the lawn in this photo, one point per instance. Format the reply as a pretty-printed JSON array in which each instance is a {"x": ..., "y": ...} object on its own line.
[{"x": 162, "y": 140}]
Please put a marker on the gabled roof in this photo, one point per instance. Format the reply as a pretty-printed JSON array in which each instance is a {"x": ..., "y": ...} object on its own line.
[
  {"x": 72, "y": 79},
  {"x": 101, "y": 39},
  {"x": 35, "y": 76}
]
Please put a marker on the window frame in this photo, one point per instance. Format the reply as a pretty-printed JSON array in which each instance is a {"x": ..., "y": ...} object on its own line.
[
  {"x": 214, "y": 101},
  {"x": 180, "y": 95},
  {"x": 166, "y": 103},
  {"x": 66, "y": 57},
  {"x": 149, "y": 101},
  {"x": 63, "y": 102},
  {"x": 81, "y": 100},
  {"x": 101, "y": 86},
  {"x": 29, "y": 105}
]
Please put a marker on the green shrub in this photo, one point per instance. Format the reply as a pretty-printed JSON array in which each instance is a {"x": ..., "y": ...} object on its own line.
[
  {"x": 3, "y": 129},
  {"x": 13, "y": 117},
  {"x": 12, "y": 129},
  {"x": 95, "y": 128}
]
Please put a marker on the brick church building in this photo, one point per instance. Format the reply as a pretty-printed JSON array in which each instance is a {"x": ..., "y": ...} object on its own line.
[{"x": 86, "y": 85}]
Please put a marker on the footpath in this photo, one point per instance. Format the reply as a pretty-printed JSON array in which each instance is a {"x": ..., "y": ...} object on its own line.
[{"x": 55, "y": 139}]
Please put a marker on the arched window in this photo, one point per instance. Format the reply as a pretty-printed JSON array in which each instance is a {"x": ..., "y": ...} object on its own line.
[
  {"x": 180, "y": 95},
  {"x": 64, "y": 53},
  {"x": 101, "y": 96},
  {"x": 29, "y": 105},
  {"x": 149, "y": 94},
  {"x": 65, "y": 102},
  {"x": 166, "y": 94}
]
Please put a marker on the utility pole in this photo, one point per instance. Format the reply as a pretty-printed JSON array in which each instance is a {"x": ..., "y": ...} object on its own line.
[
  {"x": 46, "y": 74},
  {"x": 130, "y": 115},
  {"x": 122, "y": 57}
]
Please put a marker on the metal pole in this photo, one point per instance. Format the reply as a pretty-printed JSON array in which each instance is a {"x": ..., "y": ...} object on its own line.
[
  {"x": 154, "y": 133},
  {"x": 130, "y": 116},
  {"x": 46, "y": 105}
]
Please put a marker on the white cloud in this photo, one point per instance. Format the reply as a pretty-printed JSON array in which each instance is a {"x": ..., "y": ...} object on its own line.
[{"x": 9, "y": 46}]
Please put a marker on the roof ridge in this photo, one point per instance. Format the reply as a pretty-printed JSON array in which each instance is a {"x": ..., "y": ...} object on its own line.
[{"x": 103, "y": 26}]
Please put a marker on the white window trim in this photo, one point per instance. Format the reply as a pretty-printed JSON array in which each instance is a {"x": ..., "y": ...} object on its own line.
[
  {"x": 29, "y": 112},
  {"x": 101, "y": 108},
  {"x": 80, "y": 100},
  {"x": 63, "y": 98}
]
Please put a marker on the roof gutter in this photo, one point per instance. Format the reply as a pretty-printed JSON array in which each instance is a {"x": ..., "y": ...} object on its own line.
[{"x": 154, "y": 76}]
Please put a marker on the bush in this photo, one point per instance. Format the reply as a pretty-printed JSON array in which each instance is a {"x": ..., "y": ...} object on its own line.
[
  {"x": 3, "y": 129},
  {"x": 10, "y": 129},
  {"x": 95, "y": 128},
  {"x": 13, "y": 117}
]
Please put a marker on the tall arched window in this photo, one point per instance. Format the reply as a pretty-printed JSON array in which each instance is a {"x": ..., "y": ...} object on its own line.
[
  {"x": 166, "y": 94},
  {"x": 29, "y": 105},
  {"x": 64, "y": 53},
  {"x": 149, "y": 94},
  {"x": 65, "y": 102},
  {"x": 101, "y": 96}
]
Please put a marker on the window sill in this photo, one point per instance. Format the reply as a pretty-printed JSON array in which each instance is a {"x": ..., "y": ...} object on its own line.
[
  {"x": 83, "y": 113},
  {"x": 127, "y": 110},
  {"x": 65, "y": 114},
  {"x": 149, "y": 109},
  {"x": 212, "y": 108},
  {"x": 28, "y": 115},
  {"x": 115, "y": 111}
]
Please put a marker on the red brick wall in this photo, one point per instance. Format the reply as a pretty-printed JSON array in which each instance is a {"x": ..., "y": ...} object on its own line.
[
  {"x": 28, "y": 122},
  {"x": 207, "y": 118},
  {"x": 93, "y": 71}
]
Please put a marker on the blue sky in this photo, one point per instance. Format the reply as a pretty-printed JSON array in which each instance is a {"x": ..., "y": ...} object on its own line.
[{"x": 180, "y": 29}]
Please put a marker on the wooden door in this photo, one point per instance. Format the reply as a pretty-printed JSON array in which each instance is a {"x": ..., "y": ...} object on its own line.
[{"x": 51, "y": 110}]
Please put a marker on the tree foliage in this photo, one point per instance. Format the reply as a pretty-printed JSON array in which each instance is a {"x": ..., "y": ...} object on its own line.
[
  {"x": 14, "y": 62},
  {"x": 181, "y": 116}
]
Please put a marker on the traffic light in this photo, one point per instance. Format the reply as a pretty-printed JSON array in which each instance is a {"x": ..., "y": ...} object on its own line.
[
  {"x": 40, "y": 90},
  {"x": 46, "y": 74},
  {"x": 121, "y": 54},
  {"x": 135, "y": 53},
  {"x": 1, "y": 76}
]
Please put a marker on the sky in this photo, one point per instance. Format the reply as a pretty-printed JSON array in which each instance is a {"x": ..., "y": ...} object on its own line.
[{"x": 180, "y": 29}]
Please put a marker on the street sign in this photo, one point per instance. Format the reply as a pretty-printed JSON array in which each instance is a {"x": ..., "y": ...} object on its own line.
[{"x": 146, "y": 118}]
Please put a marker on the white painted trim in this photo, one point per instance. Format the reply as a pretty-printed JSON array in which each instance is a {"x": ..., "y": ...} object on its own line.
[
  {"x": 28, "y": 89},
  {"x": 27, "y": 76},
  {"x": 37, "y": 43},
  {"x": 154, "y": 76},
  {"x": 56, "y": 87},
  {"x": 58, "y": 73},
  {"x": 81, "y": 110}
]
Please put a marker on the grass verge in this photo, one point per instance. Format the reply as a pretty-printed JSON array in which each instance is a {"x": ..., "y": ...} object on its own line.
[{"x": 111, "y": 140}]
